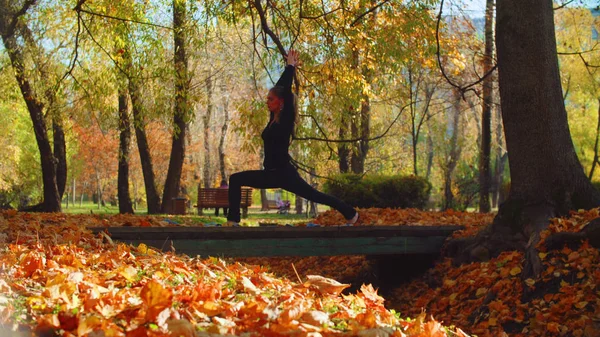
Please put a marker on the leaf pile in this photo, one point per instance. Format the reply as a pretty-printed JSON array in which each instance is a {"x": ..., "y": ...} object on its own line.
[
  {"x": 57, "y": 278},
  {"x": 491, "y": 298},
  {"x": 342, "y": 268},
  {"x": 409, "y": 216}
]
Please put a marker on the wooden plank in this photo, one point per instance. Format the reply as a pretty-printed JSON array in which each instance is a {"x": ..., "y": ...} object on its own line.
[
  {"x": 279, "y": 232},
  {"x": 302, "y": 246}
]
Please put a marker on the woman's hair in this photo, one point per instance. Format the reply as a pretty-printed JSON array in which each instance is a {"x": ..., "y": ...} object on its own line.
[{"x": 280, "y": 92}]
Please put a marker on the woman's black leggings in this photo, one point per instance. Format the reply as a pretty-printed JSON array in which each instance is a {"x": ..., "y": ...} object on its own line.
[{"x": 286, "y": 178}]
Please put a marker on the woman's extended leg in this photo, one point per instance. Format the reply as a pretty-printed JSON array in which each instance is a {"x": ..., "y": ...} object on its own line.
[
  {"x": 295, "y": 184},
  {"x": 256, "y": 179}
]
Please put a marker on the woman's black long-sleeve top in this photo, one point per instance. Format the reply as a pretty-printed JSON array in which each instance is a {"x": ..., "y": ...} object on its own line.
[{"x": 276, "y": 135}]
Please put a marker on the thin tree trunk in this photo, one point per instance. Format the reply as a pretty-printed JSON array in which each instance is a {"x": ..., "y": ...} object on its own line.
[
  {"x": 125, "y": 205},
  {"x": 430, "y": 153},
  {"x": 60, "y": 152},
  {"x": 359, "y": 154},
  {"x": 74, "y": 190},
  {"x": 500, "y": 160},
  {"x": 207, "y": 118},
  {"x": 595, "y": 160},
  {"x": 343, "y": 150},
  {"x": 152, "y": 196},
  {"x": 223, "y": 137},
  {"x": 182, "y": 110},
  {"x": 454, "y": 154},
  {"x": 486, "y": 132}
]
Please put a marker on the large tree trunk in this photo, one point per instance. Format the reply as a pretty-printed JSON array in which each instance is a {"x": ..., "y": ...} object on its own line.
[
  {"x": 35, "y": 106},
  {"x": 547, "y": 179},
  {"x": 207, "y": 117},
  {"x": 223, "y": 137},
  {"x": 182, "y": 110},
  {"x": 125, "y": 205},
  {"x": 486, "y": 113}
]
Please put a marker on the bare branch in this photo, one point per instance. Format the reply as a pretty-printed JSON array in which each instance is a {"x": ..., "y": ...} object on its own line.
[
  {"x": 266, "y": 29},
  {"x": 461, "y": 89},
  {"x": 563, "y": 5},
  {"x": 355, "y": 139},
  {"x": 123, "y": 19}
]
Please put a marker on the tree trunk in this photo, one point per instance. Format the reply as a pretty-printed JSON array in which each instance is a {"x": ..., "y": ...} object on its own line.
[
  {"x": 413, "y": 96},
  {"x": 125, "y": 205},
  {"x": 486, "y": 132},
  {"x": 596, "y": 145},
  {"x": 500, "y": 160},
  {"x": 74, "y": 190},
  {"x": 60, "y": 152},
  {"x": 207, "y": 117},
  {"x": 547, "y": 179},
  {"x": 454, "y": 153},
  {"x": 182, "y": 110},
  {"x": 35, "y": 106},
  {"x": 430, "y": 153},
  {"x": 152, "y": 197},
  {"x": 223, "y": 137},
  {"x": 343, "y": 150},
  {"x": 359, "y": 154}
]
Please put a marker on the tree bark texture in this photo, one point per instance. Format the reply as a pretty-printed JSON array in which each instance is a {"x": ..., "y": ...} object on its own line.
[
  {"x": 152, "y": 196},
  {"x": 454, "y": 153},
  {"x": 343, "y": 151},
  {"x": 125, "y": 204},
  {"x": 223, "y": 138},
  {"x": 182, "y": 110},
  {"x": 486, "y": 113},
  {"x": 60, "y": 152},
  {"x": 206, "y": 119}
]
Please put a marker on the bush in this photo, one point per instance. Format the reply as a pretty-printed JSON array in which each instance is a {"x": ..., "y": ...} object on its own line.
[{"x": 380, "y": 191}]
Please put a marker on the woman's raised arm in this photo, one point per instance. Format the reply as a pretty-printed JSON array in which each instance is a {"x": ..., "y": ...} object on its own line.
[{"x": 287, "y": 77}]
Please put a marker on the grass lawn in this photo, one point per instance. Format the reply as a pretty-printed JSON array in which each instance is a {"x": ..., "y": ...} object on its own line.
[{"x": 255, "y": 215}]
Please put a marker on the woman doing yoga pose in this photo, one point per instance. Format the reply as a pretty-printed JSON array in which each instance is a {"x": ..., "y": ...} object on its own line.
[{"x": 278, "y": 170}]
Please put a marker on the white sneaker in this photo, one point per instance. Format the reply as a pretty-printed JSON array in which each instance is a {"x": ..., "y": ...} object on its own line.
[{"x": 352, "y": 221}]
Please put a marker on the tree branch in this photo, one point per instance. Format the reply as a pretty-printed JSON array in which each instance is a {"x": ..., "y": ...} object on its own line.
[
  {"x": 123, "y": 19},
  {"x": 461, "y": 89},
  {"x": 355, "y": 139},
  {"x": 10, "y": 29},
  {"x": 374, "y": 8},
  {"x": 266, "y": 29}
]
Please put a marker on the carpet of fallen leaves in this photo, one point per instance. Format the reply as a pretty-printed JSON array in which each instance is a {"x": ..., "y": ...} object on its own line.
[
  {"x": 57, "y": 278},
  {"x": 490, "y": 298}
]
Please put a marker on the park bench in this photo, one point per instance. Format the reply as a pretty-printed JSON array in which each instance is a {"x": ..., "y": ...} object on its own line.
[{"x": 219, "y": 198}]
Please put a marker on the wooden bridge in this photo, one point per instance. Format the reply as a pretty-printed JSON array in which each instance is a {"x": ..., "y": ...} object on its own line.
[{"x": 287, "y": 241}]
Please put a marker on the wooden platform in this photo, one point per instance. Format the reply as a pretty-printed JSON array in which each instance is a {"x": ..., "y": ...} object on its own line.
[{"x": 287, "y": 241}]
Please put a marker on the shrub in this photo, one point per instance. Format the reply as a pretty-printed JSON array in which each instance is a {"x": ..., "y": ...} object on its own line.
[{"x": 380, "y": 191}]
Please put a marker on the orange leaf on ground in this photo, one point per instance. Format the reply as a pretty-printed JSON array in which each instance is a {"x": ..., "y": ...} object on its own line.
[{"x": 156, "y": 298}]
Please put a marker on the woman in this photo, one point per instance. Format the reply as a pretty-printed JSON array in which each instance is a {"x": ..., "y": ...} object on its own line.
[{"x": 278, "y": 171}]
